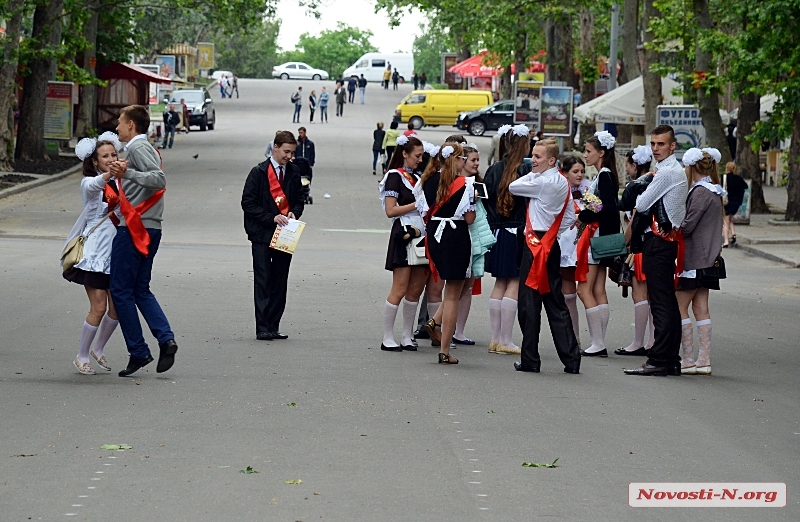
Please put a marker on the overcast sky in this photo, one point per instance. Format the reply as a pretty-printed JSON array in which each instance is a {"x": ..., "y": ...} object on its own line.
[{"x": 356, "y": 13}]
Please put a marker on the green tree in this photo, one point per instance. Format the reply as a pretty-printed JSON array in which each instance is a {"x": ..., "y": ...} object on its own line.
[
  {"x": 428, "y": 49},
  {"x": 249, "y": 55},
  {"x": 333, "y": 50}
]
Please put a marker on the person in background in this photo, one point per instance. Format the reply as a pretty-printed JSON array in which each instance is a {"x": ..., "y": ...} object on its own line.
[
  {"x": 362, "y": 87},
  {"x": 185, "y": 115},
  {"x": 222, "y": 81},
  {"x": 323, "y": 105},
  {"x": 377, "y": 145},
  {"x": 387, "y": 76},
  {"x": 410, "y": 130},
  {"x": 416, "y": 80},
  {"x": 341, "y": 99},
  {"x": 736, "y": 188},
  {"x": 390, "y": 141},
  {"x": 171, "y": 121},
  {"x": 312, "y": 105},
  {"x": 297, "y": 98},
  {"x": 305, "y": 153},
  {"x": 423, "y": 80},
  {"x": 494, "y": 150},
  {"x": 395, "y": 79},
  {"x": 352, "y": 83},
  {"x": 235, "y": 85}
]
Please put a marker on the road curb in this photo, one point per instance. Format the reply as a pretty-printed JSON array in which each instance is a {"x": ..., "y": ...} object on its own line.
[
  {"x": 44, "y": 180},
  {"x": 766, "y": 255}
]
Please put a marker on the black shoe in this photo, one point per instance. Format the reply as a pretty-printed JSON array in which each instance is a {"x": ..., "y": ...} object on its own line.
[
  {"x": 575, "y": 370},
  {"x": 264, "y": 336},
  {"x": 623, "y": 351},
  {"x": 166, "y": 357},
  {"x": 409, "y": 348},
  {"x": 134, "y": 364},
  {"x": 601, "y": 353},
  {"x": 421, "y": 333},
  {"x": 519, "y": 368},
  {"x": 279, "y": 336},
  {"x": 647, "y": 369},
  {"x": 674, "y": 370},
  {"x": 391, "y": 348}
]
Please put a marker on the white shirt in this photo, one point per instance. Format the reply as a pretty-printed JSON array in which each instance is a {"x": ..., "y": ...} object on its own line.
[
  {"x": 547, "y": 192},
  {"x": 137, "y": 137},
  {"x": 668, "y": 183},
  {"x": 277, "y": 166}
]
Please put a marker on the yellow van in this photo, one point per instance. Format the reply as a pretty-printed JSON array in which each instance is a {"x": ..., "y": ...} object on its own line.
[{"x": 439, "y": 107}]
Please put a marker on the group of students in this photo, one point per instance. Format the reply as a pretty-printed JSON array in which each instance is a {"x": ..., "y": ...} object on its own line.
[{"x": 533, "y": 230}]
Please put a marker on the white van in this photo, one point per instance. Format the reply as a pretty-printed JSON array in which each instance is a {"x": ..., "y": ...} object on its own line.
[{"x": 372, "y": 65}]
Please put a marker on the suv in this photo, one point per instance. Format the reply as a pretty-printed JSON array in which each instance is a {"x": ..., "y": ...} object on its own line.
[
  {"x": 489, "y": 118},
  {"x": 200, "y": 105}
]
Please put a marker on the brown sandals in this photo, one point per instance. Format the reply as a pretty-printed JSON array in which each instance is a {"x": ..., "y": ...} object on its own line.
[
  {"x": 444, "y": 358},
  {"x": 436, "y": 337}
]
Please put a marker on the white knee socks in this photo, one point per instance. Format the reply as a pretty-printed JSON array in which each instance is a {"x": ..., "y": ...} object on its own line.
[
  {"x": 87, "y": 336},
  {"x": 432, "y": 309},
  {"x": 106, "y": 328},
  {"x": 687, "y": 343},
  {"x": 409, "y": 314},
  {"x": 704, "y": 342},
  {"x": 641, "y": 311},
  {"x": 463, "y": 313},
  {"x": 595, "y": 322},
  {"x": 605, "y": 315},
  {"x": 389, "y": 315},
  {"x": 508, "y": 316},
  {"x": 495, "y": 318},
  {"x": 572, "y": 304}
]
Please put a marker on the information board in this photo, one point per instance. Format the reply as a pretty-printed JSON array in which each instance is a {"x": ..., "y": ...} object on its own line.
[{"x": 58, "y": 111}]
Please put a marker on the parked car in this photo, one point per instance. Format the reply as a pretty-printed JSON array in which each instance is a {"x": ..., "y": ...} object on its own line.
[
  {"x": 488, "y": 118},
  {"x": 200, "y": 105},
  {"x": 298, "y": 70},
  {"x": 372, "y": 65},
  {"x": 434, "y": 107}
]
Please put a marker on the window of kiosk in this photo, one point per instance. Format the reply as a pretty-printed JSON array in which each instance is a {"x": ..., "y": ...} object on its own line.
[
  {"x": 416, "y": 99},
  {"x": 379, "y": 63}
]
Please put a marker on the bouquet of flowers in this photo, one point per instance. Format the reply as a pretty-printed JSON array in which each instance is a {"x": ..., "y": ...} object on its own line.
[{"x": 589, "y": 202}]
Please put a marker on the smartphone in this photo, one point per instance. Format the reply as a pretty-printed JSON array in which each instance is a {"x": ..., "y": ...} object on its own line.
[{"x": 480, "y": 190}]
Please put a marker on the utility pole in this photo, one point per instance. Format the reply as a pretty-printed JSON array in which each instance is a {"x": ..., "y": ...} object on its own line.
[{"x": 612, "y": 59}]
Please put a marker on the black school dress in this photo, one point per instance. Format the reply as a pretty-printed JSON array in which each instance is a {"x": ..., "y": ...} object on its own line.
[
  {"x": 452, "y": 255},
  {"x": 396, "y": 255}
]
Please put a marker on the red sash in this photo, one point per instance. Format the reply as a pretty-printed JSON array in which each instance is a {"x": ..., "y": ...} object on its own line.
[
  {"x": 133, "y": 218},
  {"x": 276, "y": 191},
  {"x": 582, "y": 251},
  {"x": 638, "y": 269},
  {"x": 540, "y": 249},
  {"x": 112, "y": 198},
  {"x": 411, "y": 179},
  {"x": 674, "y": 236},
  {"x": 457, "y": 185}
]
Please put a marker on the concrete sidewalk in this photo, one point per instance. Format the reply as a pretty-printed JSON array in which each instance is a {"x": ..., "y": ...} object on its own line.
[{"x": 766, "y": 237}]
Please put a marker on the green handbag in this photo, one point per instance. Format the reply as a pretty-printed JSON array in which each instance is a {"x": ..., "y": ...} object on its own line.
[{"x": 605, "y": 247}]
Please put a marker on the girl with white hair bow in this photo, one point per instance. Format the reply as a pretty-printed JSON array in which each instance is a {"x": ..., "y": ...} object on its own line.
[{"x": 92, "y": 271}]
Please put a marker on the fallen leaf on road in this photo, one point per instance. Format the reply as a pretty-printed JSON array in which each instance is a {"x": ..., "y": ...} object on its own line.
[
  {"x": 538, "y": 465},
  {"x": 248, "y": 471},
  {"x": 295, "y": 481}
]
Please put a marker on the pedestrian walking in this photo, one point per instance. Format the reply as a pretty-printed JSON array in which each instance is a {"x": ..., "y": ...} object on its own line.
[
  {"x": 736, "y": 187},
  {"x": 702, "y": 232},
  {"x": 660, "y": 252},
  {"x": 352, "y": 83},
  {"x": 387, "y": 77},
  {"x": 92, "y": 270},
  {"x": 305, "y": 155},
  {"x": 395, "y": 79},
  {"x": 272, "y": 196},
  {"x": 312, "y": 105},
  {"x": 398, "y": 202},
  {"x": 390, "y": 142},
  {"x": 341, "y": 99},
  {"x": 550, "y": 212},
  {"x": 141, "y": 189},
  {"x": 410, "y": 130},
  {"x": 362, "y": 87},
  {"x": 297, "y": 99},
  {"x": 184, "y": 116},
  {"x": 323, "y": 105},
  {"x": 377, "y": 145},
  {"x": 423, "y": 80},
  {"x": 235, "y": 86},
  {"x": 171, "y": 121},
  {"x": 591, "y": 273},
  {"x": 416, "y": 80},
  {"x": 221, "y": 82}
]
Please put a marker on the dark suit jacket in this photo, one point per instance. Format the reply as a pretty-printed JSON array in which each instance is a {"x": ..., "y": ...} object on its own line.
[{"x": 259, "y": 207}]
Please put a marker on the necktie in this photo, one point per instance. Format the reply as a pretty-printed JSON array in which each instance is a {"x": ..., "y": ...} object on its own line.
[{"x": 280, "y": 176}]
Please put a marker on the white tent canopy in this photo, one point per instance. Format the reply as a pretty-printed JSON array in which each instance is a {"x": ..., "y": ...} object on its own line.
[{"x": 625, "y": 104}]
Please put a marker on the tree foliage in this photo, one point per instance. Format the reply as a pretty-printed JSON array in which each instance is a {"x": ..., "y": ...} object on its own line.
[
  {"x": 334, "y": 50},
  {"x": 428, "y": 49},
  {"x": 249, "y": 55}
]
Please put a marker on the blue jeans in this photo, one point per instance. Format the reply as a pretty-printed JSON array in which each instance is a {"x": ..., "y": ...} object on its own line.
[
  {"x": 375, "y": 154},
  {"x": 130, "y": 289},
  {"x": 362, "y": 91},
  {"x": 169, "y": 136},
  {"x": 296, "y": 117},
  {"x": 323, "y": 113}
]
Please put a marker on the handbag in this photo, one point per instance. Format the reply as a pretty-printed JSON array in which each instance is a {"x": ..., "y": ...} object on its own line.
[
  {"x": 73, "y": 252},
  {"x": 715, "y": 271},
  {"x": 415, "y": 252},
  {"x": 605, "y": 247}
]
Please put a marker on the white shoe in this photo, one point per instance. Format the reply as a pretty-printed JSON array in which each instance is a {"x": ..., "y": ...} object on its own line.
[
  {"x": 509, "y": 350},
  {"x": 704, "y": 370},
  {"x": 83, "y": 368},
  {"x": 689, "y": 370},
  {"x": 101, "y": 361}
]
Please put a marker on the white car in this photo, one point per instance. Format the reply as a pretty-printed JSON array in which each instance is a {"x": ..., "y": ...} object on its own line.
[
  {"x": 298, "y": 70},
  {"x": 216, "y": 75}
]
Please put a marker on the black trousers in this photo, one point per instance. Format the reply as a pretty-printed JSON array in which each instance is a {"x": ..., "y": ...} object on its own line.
[
  {"x": 340, "y": 109},
  {"x": 658, "y": 262},
  {"x": 530, "y": 314},
  {"x": 270, "y": 278}
]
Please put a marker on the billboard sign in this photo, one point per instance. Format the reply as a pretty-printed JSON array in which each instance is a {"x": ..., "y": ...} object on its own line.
[
  {"x": 688, "y": 125},
  {"x": 58, "y": 111},
  {"x": 557, "y": 109},
  {"x": 527, "y": 104},
  {"x": 452, "y": 80},
  {"x": 166, "y": 65},
  {"x": 205, "y": 55}
]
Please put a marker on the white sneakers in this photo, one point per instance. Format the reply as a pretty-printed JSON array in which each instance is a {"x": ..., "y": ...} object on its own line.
[{"x": 83, "y": 368}]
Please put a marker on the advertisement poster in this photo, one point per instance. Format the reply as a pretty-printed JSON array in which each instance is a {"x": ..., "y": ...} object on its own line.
[
  {"x": 527, "y": 104},
  {"x": 166, "y": 66},
  {"x": 688, "y": 125},
  {"x": 205, "y": 55},
  {"x": 531, "y": 77},
  {"x": 58, "y": 111},
  {"x": 451, "y": 79},
  {"x": 557, "y": 105}
]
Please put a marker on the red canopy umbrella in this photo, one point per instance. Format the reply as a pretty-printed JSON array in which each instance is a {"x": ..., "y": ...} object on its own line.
[{"x": 474, "y": 67}]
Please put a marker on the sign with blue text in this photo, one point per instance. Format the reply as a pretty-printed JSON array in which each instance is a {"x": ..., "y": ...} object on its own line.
[{"x": 688, "y": 125}]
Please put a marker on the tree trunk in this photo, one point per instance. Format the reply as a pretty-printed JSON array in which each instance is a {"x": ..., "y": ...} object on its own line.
[
  {"x": 506, "y": 89},
  {"x": 708, "y": 98},
  {"x": 793, "y": 187},
  {"x": 47, "y": 34},
  {"x": 462, "y": 53},
  {"x": 560, "y": 66},
  {"x": 8, "y": 85},
  {"x": 87, "y": 117},
  {"x": 651, "y": 81},
  {"x": 630, "y": 40},
  {"x": 586, "y": 21},
  {"x": 746, "y": 157}
]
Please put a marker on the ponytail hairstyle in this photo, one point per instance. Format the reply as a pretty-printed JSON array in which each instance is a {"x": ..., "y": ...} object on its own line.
[
  {"x": 706, "y": 166},
  {"x": 517, "y": 149},
  {"x": 641, "y": 169},
  {"x": 609, "y": 159},
  {"x": 449, "y": 170},
  {"x": 408, "y": 147}
]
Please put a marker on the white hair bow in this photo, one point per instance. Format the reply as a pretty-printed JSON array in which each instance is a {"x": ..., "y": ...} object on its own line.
[
  {"x": 503, "y": 130},
  {"x": 714, "y": 153},
  {"x": 642, "y": 155},
  {"x": 521, "y": 129},
  {"x": 402, "y": 140},
  {"x": 692, "y": 156},
  {"x": 606, "y": 139},
  {"x": 112, "y": 137},
  {"x": 87, "y": 146},
  {"x": 447, "y": 151}
]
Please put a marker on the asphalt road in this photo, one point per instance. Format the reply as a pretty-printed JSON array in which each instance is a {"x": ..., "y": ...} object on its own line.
[{"x": 371, "y": 435}]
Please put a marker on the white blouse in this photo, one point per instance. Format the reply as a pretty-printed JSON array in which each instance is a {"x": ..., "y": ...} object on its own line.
[{"x": 97, "y": 250}]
